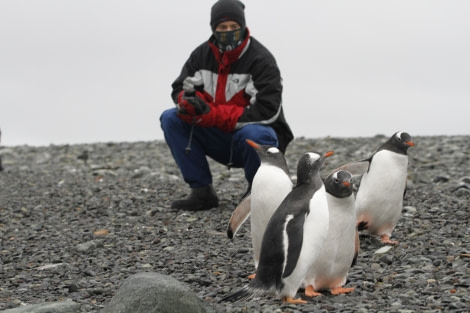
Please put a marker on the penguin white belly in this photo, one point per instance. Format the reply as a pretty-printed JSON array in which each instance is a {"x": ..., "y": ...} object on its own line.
[
  {"x": 331, "y": 268},
  {"x": 270, "y": 186},
  {"x": 314, "y": 235},
  {"x": 379, "y": 201}
]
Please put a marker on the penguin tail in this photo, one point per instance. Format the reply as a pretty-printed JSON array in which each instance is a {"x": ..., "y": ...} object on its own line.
[{"x": 243, "y": 294}]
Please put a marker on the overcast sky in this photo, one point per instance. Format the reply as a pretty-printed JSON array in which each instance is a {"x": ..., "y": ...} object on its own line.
[{"x": 84, "y": 71}]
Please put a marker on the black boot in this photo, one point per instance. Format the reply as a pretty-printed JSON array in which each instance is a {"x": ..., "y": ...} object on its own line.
[{"x": 202, "y": 198}]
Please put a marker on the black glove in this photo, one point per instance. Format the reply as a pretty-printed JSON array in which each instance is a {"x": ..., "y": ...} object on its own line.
[{"x": 193, "y": 97}]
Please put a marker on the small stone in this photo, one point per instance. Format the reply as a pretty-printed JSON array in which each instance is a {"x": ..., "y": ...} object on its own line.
[
  {"x": 387, "y": 259},
  {"x": 462, "y": 192},
  {"x": 101, "y": 233},
  {"x": 375, "y": 266},
  {"x": 50, "y": 266},
  {"x": 73, "y": 288},
  {"x": 67, "y": 306},
  {"x": 410, "y": 209},
  {"x": 441, "y": 179},
  {"x": 88, "y": 246},
  {"x": 383, "y": 250}
]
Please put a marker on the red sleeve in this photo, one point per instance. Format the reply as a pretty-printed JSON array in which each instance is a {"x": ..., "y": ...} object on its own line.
[{"x": 227, "y": 116}]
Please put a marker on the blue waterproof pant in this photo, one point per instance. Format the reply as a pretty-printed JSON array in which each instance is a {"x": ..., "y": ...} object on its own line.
[{"x": 225, "y": 148}]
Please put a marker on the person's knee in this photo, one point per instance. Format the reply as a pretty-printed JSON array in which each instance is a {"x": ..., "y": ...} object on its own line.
[
  {"x": 258, "y": 133},
  {"x": 168, "y": 119}
]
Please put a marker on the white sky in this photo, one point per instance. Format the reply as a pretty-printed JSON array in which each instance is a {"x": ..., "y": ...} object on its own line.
[{"x": 83, "y": 71}]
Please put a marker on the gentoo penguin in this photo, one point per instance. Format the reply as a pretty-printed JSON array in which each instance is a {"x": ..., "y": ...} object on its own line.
[
  {"x": 294, "y": 236},
  {"x": 379, "y": 199},
  {"x": 331, "y": 268},
  {"x": 270, "y": 186}
]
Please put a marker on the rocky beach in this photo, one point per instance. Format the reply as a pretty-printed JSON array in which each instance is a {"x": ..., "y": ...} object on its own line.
[{"x": 77, "y": 220}]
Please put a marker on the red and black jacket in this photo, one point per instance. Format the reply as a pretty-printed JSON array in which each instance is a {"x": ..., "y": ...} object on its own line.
[{"x": 245, "y": 82}]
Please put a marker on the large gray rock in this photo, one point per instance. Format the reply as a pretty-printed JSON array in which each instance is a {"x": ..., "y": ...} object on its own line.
[
  {"x": 152, "y": 293},
  {"x": 49, "y": 307}
]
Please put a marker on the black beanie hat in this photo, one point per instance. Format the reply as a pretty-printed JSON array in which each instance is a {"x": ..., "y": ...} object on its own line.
[{"x": 227, "y": 10}]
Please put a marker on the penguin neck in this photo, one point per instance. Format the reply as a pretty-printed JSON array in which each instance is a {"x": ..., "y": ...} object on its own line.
[
  {"x": 397, "y": 148},
  {"x": 313, "y": 181}
]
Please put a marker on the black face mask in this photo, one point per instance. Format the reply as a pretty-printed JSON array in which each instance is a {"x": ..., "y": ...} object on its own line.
[{"x": 227, "y": 41}]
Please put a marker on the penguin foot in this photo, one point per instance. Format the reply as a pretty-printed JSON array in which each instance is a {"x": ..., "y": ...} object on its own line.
[
  {"x": 362, "y": 225},
  {"x": 310, "y": 292},
  {"x": 386, "y": 239},
  {"x": 293, "y": 301},
  {"x": 252, "y": 276},
  {"x": 341, "y": 290}
]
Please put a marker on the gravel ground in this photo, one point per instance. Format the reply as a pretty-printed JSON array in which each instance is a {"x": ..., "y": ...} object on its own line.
[{"x": 75, "y": 229}]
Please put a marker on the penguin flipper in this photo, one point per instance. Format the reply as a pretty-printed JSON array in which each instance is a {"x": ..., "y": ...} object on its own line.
[
  {"x": 239, "y": 216},
  {"x": 356, "y": 168},
  {"x": 294, "y": 231}
]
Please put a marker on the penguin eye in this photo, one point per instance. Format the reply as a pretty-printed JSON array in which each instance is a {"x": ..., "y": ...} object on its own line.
[{"x": 336, "y": 180}]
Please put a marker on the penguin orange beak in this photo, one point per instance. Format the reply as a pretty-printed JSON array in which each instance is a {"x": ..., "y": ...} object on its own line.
[
  {"x": 410, "y": 143},
  {"x": 328, "y": 154},
  {"x": 253, "y": 144},
  {"x": 347, "y": 184}
]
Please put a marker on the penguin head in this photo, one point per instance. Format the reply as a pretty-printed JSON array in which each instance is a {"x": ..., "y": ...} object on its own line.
[
  {"x": 339, "y": 184},
  {"x": 269, "y": 154},
  {"x": 309, "y": 165},
  {"x": 401, "y": 141}
]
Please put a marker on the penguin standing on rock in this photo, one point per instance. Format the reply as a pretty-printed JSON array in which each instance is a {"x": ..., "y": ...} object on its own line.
[
  {"x": 270, "y": 186},
  {"x": 379, "y": 199},
  {"x": 339, "y": 253},
  {"x": 294, "y": 236}
]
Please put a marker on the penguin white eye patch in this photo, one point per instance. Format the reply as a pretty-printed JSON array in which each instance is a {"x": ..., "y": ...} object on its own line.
[
  {"x": 313, "y": 156},
  {"x": 273, "y": 150}
]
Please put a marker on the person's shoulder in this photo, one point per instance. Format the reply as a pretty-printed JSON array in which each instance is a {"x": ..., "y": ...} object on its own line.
[
  {"x": 201, "y": 50},
  {"x": 256, "y": 43},
  {"x": 260, "y": 49},
  {"x": 202, "y": 46}
]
